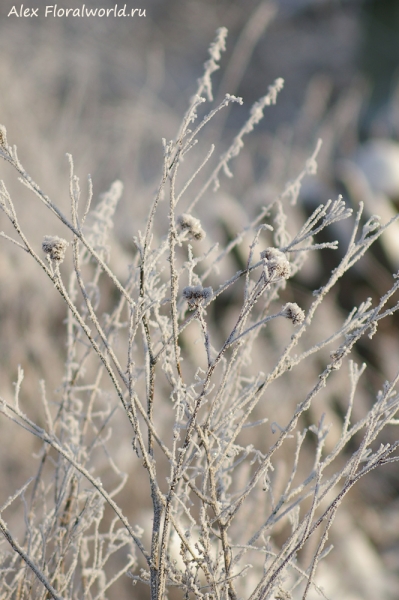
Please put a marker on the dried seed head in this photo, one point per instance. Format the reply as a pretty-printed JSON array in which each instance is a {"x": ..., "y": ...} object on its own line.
[
  {"x": 192, "y": 225},
  {"x": 196, "y": 294},
  {"x": 276, "y": 263},
  {"x": 292, "y": 311},
  {"x": 271, "y": 254},
  {"x": 55, "y": 247}
]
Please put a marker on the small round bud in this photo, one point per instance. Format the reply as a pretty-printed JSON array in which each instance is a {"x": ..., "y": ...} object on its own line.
[
  {"x": 196, "y": 294},
  {"x": 192, "y": 225},
  {"x": 276, "y": 263},
  {"x": 292, "y": 311},
  {"x": 55, "y": 247}
]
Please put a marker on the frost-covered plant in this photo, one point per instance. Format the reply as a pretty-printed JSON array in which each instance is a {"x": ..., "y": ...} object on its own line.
[{"x": 223, "y": 525}]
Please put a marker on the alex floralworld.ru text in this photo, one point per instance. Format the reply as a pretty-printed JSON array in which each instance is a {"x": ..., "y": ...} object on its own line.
[{"x": 83, "y": 11}]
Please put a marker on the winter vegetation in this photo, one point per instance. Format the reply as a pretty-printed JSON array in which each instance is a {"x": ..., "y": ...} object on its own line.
[{"x": 211, "y": 422}]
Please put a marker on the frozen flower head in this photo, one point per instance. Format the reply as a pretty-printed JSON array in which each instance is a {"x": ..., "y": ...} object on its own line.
[
  {"x": 54, "y": 247},
  {"x": 192, "y": 225},
  {"x": 292, "y": 311},
  {"x": 196, "y": 294},
  {"x": 276, "y": 263}
]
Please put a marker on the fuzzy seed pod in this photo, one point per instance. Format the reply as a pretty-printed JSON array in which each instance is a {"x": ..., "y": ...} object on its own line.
[
  {"x": 196, "y": 294},
  {"x": 292, "y": 311},
  {"x": 192, "y": 225},
  {"x": 55, "y": 247},
  {"x": 276, "y": 263}
]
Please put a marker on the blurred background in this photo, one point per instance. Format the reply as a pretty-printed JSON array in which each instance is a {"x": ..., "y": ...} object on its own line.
[{"x": 107, "y": 90}]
